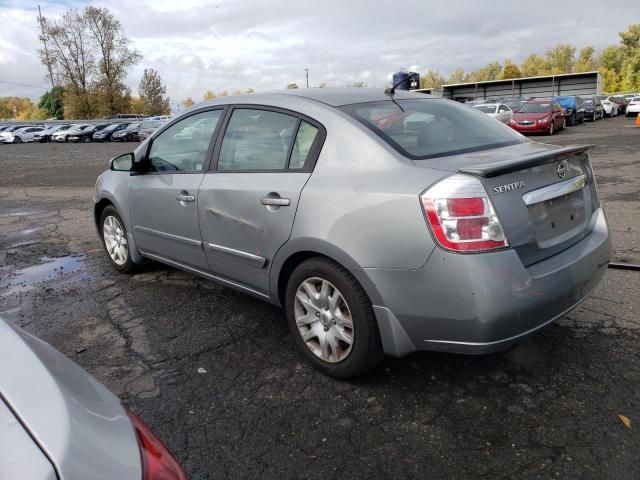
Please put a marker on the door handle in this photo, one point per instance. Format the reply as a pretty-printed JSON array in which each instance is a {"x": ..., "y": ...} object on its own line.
[
  {"x": 275, "y": 201},
  {"x": 183, "y": 197}
]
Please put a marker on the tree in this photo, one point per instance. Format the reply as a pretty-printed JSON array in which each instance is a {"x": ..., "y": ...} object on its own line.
[
  {"x": 534, "y": 65},
  {"x": 137, "y": 105},
  {"x": 490, "y": 71},
  {"x": 52, "y": 102},
  {"x": 292, "y": 86},
  {"x": 431, "y": 79},
  {"x": 561, "y": 58},
  {"x": 610, "y": 80},
  {"x": 611, "y": 58},
  {"x": 208, "y": 95},
  {"x": 115, "y": 57},
  {"x": 510, "y": 70},
  {"x": 458, "y": 76},
  {"x": 357, "y": 84},
  {"x": 630, "y": 68},
  {"x": 322, "y": 85},
  {"x": 152, "y": 93},
  {"x": 188, "y": 102},
  {"x": 586, "y": 61},
  {"x": 33, "y": 113},
  {"x": 250, "y": 90},
  {"x": 13, "y": 107}
]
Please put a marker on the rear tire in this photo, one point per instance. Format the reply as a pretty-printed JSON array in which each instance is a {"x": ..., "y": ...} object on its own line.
[
  {"x": 324, "y": 302},
  {"x": 572, "y": 120},
  {"x": 113, "y": 234}
]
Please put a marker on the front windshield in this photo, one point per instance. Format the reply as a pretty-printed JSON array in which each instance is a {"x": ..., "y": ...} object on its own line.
[
  {"x": 535, "y": 108},
  {"x": 486, "y": 108},
  {"x": 430, "y": 128}
]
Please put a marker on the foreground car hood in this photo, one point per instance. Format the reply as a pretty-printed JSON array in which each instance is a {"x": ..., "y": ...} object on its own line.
[{"x": 77, "y": 422}]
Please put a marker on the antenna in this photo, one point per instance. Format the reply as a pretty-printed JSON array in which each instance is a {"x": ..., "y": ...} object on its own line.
[
  {"x": 43, "y": 38},
  {"x": 306, "y": 71},
  {"x": 391, "y": 91}
]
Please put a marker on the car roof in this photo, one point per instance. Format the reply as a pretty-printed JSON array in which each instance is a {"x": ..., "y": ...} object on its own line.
[
  {"x": 335, "y": 97},
  {"x": 488, "y": 104}
]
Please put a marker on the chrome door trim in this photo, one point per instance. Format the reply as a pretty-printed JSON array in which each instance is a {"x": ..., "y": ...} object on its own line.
[
  {"x": 556, "y": 190},
  {"x": 169, "y": 236},
  {"x": 258, "y": 260},
  {"x": 206, "y": 275}
]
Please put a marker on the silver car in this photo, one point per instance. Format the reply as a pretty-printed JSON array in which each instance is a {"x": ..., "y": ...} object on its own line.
[
  {"x": 380, "y": 224},
  {"x": 58, "y": 423},
  {"x": 499, "y": 111}
]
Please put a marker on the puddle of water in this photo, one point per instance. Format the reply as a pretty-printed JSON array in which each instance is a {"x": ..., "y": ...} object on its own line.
[{"x": 25, "y": 279}]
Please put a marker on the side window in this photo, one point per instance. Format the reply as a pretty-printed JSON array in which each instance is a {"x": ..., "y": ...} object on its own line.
[
  {"x": 307, "y": 134},
  {"x": 256, "y": 140},
  {"x": 183, "y": 146}
]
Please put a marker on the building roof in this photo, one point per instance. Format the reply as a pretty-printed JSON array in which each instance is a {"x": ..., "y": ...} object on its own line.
[
  {"x": 520, "y": 79},
  {"x": 337, "y": 97}
]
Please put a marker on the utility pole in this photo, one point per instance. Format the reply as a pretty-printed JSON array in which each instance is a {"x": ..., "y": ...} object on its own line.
[
  {"x": 306, "y": 71},
  {"x": 43, "y": 37}
]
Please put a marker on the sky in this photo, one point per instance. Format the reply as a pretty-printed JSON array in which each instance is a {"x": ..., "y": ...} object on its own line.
[{"x": 200, "y": 45}]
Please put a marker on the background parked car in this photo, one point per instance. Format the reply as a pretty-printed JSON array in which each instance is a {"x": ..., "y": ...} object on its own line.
[
  {"x": 85, "y": 134},
  {"x": 609, "y": 107},
  {"x": 539, "y": 116},
  {"x": 573, "y": 108},
  {"x": 20, "y": 135},
  {"x": 150, "y": 125},
  {"x": 499, "y": 111},
  {"x": 105, "y": 134},
  {"x": 45, "y": 135},
  {"x": 592, "y": 109},
  {"x": 129, "y": 134},
  {"x": 8, "y": 131},
  {"x": 63, "y": 136},
  {"x": 52, "y": 412},
  {"x": 621, "y": 102},
  {"x": 633, "y": 108}
]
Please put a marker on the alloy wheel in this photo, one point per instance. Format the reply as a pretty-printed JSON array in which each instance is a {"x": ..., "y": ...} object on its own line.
[
  {"x": 115, "y": 240},
  {"x": 324, "y": 320}
]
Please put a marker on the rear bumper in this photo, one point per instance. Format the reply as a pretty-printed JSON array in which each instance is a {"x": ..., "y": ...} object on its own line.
[{"x": 485, "y": 302}]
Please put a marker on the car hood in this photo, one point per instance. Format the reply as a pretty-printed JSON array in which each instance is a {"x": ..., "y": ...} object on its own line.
[
  {"x": 76, "y": 421},
  {"x": 530, "y": 116}
]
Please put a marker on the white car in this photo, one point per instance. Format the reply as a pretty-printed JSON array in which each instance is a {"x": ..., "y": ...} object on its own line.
[
  {"x": 609, "y": 107},
  {"x": 21, "y": 135},
  {"x": 63, "y": 136},
  {"x": 633, "y": 107},
  {"x": 499, "y": 111}
]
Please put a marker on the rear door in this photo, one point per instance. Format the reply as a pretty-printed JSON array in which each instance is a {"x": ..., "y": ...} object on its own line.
[
  {"x": 163, "y": 197},
  {"x": 248, "y": 202}
]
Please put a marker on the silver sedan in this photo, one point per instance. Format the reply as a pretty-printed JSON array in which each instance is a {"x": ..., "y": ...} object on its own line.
[{"x": 382, "y": 223}]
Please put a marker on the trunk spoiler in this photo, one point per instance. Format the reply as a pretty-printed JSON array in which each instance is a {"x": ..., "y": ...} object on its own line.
[{"x": 493, "y": 169}]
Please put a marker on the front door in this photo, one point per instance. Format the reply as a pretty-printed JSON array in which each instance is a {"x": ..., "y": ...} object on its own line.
[
  {"x": 247, "y": 204},
  {"x": 163, "y": 197}
]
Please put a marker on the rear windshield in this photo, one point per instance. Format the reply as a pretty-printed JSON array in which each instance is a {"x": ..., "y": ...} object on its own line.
[
  {"x": 430, "y": 128},
  {"x": 486, "y": 108},
  {"x": 535, "y": 108}
]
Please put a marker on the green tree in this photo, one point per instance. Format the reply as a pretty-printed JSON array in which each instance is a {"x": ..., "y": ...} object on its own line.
[
  {"x": 534, "y": 65},
  {"x": 561, "y": 58},
  {"x": 152, "y": 93},
  {"x": 292, "y": 86},
  {"x": 510, "y": 70},
  {"x": 458, "y": 76},
  {"x": 610, "y": 80},
  {"x": 490, "y": 71},
  {"x": 431, "y": 79},
  {"x": 630, "y": 68},
  {"x": 586, "y": 61},
  {"x": 52, "y": 102},
  {"x": 611, "y": 58}
]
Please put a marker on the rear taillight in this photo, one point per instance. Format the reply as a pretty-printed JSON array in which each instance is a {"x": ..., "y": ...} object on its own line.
[
  {"x": 157, "y": 461},
  {"x": 461, "y": 216}
]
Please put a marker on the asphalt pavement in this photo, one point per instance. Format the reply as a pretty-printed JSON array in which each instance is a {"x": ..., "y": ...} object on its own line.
[{"x": 215, "y": 373}]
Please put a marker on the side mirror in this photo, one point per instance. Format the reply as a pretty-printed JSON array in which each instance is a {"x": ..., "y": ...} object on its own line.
[{"x": 123, "y": 163}]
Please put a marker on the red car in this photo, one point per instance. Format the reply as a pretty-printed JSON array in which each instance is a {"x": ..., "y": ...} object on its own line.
[{"x": 539, "y": 116}]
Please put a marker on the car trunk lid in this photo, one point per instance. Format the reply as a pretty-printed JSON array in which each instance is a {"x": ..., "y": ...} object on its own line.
[{"x": 544, "y": 196}]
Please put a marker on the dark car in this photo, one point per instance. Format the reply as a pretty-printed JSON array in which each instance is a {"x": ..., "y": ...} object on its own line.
[
  {"x": 573, "y": 108},
  {"x": 539, "y": 116},
  {"x": 129, "y": 134},
  {"x": 106, "y": 133},
  {"x": 592, "y": 109},
  {"x": 622, "y": 103},
  {"x": 86, "y": 134}
]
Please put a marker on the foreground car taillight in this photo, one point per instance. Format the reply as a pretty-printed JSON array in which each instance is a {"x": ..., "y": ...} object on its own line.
[
  {"x": 157, "y": 461},
  {"x": 461, "y": 215}
]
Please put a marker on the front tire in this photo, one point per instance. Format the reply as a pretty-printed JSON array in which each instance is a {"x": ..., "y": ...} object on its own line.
[
  {"x": 17, "y": 140},
  {"x": 114, "y": 240},
  {"x": 331, "y": 319}
]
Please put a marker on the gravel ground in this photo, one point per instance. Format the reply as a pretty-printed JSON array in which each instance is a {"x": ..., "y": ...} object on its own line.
[{"x": 216, "y": 375}]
